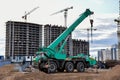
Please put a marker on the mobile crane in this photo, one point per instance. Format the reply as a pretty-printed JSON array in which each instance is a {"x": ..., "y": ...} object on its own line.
[{"x": 51, "y": 60}]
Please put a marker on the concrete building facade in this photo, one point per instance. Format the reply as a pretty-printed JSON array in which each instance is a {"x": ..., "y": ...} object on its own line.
[
  {"x": 100, "y": 55},
  {"x": 51, "y": 32},
  {"x": 80, "y": 46},
  {"x": 108, "y": 54},
  {"x": 73, "y": 46},
  {"x": 114, "y": 52},
  {"x": 22, "y": 40}
]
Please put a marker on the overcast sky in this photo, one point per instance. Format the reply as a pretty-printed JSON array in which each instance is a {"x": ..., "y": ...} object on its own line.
[{"x": 105, "y": 11}]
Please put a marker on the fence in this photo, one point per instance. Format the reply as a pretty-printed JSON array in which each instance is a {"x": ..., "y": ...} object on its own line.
[{"x": 4, "y": 62}]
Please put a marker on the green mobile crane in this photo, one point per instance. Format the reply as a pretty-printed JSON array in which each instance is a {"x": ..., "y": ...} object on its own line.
[{"x": 51, "y": 60}]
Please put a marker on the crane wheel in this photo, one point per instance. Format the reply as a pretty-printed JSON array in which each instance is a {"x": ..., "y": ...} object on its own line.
[
  {"x": 52, "y": 68},
  {"x": 40, "y": 66},
  {"x": 69, "y": 67},
  {"x": 80, "y": 67}
]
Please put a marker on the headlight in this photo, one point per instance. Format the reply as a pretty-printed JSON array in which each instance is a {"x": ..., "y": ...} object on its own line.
[{"x": 39, "y": 61}]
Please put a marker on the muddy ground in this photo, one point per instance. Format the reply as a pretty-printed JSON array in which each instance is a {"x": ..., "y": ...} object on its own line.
[{"x": 9, "y": 72}]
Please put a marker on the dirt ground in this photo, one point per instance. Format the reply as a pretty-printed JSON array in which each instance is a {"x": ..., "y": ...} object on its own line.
[{"x": 8, "y": 72}]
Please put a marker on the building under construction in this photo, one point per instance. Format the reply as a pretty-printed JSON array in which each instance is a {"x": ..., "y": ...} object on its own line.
[
  {"x": 80, "y": 46},
  {"x": 22, "y": 39},
  {"x": 73, "y": 46},
  {"x": 51, "y": 32}
]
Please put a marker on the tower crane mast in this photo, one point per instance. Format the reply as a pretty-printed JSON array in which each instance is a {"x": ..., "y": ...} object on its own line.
[
  {"x": 26, "y": 14},
  {"x": 118, "y": 19}
]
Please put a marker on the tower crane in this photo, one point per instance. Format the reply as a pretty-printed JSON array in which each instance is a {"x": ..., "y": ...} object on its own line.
[
  {"x": 88, "y": 35},
  {"x": 26, "y": 14},
  {"x": 118, "y": 19},
  {"x": 91, "y": 22},
  {"x": 89, "y": 29},
  {"x": 65, "y": 14},
  {"x": 65, "y": 22}
]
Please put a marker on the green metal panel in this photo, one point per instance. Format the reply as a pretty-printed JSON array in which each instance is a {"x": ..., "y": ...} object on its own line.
[
  {"x": 51, "y": 53},
  {"x": 92, "y": 61}
]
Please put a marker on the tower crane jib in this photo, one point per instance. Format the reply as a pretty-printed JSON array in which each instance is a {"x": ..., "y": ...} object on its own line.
[{"x": 26, "y": 14}]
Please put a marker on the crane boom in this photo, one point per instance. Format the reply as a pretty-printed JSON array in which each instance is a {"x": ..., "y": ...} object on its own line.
[
  {"x": 50, "y": 51},
  {"x": 51, "y": 60},
  {"x": 70, "y": 29}
]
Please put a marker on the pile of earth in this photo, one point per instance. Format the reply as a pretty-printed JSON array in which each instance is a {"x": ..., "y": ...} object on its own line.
[{"x": 112, "y": 74}]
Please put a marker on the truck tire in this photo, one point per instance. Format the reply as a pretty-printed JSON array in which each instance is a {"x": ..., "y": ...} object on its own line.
[
  {"x": 69, "y": 67},
  {"x": 80, "y": 67},
  {"x": 52, "y": 68},
  {"x": 40, "y": 66}
]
